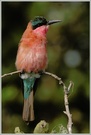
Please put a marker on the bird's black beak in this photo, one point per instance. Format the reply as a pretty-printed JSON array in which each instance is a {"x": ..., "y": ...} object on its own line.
[{"x": 53, "y": 21}]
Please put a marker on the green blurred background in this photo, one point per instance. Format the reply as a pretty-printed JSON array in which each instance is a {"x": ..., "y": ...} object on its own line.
[{"x": 68, "y": 57}]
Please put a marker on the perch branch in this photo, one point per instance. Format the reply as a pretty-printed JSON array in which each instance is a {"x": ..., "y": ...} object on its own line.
[
  {"x": 11, "y": 73},
  {"x": 66, "y": 93},
  {"x": 54, "y": 76}
]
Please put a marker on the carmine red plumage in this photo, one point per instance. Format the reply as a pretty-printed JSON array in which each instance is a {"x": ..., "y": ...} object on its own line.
[{"x": 32, "y": 55}]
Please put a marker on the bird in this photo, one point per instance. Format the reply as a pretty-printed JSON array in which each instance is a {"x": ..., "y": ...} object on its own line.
[{"x": 31, "y": 60}]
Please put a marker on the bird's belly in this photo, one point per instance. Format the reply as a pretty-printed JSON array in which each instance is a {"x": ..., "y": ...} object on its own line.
[
  {"x": 33, "y": 59},
  {"x": 38, "y": 61}
]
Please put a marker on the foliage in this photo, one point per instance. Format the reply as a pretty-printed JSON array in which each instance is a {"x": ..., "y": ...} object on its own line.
[
  {"x": 18, "y": 131},
  {"x": 43, "y": 127}
]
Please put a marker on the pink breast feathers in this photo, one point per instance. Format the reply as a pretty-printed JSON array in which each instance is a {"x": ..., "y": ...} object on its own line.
[
  {"x": 32, "y": 55},
  {"x": 33, "y": 58}
]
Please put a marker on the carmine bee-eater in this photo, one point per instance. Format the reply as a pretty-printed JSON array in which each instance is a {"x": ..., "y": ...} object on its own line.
[{"x": 31, "y": 59}]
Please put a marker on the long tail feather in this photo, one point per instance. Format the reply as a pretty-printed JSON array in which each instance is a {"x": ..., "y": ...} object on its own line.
[{"x": 28, "y": 110}]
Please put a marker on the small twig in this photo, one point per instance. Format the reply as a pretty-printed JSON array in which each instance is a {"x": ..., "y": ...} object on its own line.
[
  {"x": 66, "y": 92},
  {"x": 15, "y": 72},
  {"x": 67, "y": 112}
]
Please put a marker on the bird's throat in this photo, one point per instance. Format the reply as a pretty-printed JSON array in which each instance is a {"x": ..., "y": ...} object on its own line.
[{"x": 42, "y": 30}]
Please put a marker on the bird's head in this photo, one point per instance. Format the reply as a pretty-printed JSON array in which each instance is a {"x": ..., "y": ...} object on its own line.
[{"x": 40, "y": 23}]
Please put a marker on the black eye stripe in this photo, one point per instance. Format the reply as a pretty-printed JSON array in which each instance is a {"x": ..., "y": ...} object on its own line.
[{"x": 38, "y": 21}]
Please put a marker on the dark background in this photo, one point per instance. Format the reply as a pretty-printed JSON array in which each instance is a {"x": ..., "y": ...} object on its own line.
[{"x": 68, "y": 57}]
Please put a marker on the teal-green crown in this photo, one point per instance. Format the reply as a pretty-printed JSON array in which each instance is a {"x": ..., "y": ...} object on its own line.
[{"x": 38, "y": 21}]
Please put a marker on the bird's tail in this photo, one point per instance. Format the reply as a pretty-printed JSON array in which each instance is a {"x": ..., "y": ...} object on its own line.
[{"x": 28, "y": 110}]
